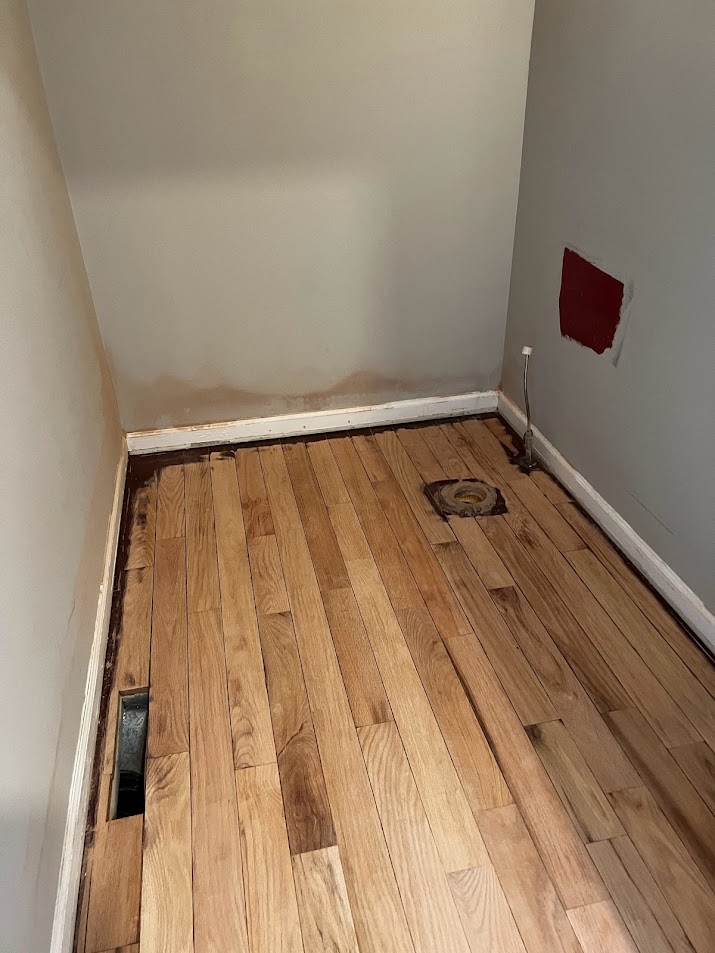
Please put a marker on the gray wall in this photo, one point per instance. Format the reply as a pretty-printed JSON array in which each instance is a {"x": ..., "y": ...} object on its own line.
[
  {"x": 287, "y": 206},
  {"x": 619, "y": 160},
  {"x": 59, "y": 430}
]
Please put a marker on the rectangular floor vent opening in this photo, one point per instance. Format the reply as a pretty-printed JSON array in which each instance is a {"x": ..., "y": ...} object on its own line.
[{"x": 128, "y": 788}]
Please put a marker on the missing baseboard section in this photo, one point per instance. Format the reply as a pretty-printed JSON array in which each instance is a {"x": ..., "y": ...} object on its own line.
[{"x": 130, "y": 756}]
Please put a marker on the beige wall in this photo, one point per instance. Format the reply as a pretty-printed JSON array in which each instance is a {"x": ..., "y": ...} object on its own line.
[
  {"x": 61, "y": 444},
  {"x": 287, "y": 206},
  {"x": 618, "y": 161}
]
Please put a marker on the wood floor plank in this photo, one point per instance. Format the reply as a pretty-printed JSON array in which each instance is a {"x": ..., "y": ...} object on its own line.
[
  {"x": 325, "y": 553},
  {"x": 142, "y": 527},
  {"x": 201, "y": 564},
  {"x": 536, "y": 907},
  {"x": 376, "y": 466},
  {"x": 425, "y": 462},
  {"x": 132, "y": 665},
  {"x": 254, "y": 499},
  {"x": 481, "y": 553},
  {"x": 271, "y": 906},
  {"x": 251, "y": 729},
  {"x": 433, "y": 526},
  {"x": 363, "y": 684},
  {"x": 600, "y": 927},
  {"x": 170, "y": 502},
  {"x": 632, "y": 905},
  {"x": 453, "y": 825},
  {"x": 370, "y": 879},
  {"x": 585, "y": 725},
  {"x": 491, "y": 448},
  {"x": 268, "y": 587},
  {"x": 396, "y": 575},
  {"x": 308, "y": 816},
  {"x": 670, "y": 864},
  {"x": 642, "y": 685},
  {"x": 579, "y": 791},
  {"x": 692, "y": 697},
  {"x": 327, "y": 473},
  {"x": 426, "y": 570},
  {"x": 483, "y": 782},
  {"x": 348, "y": 531},
  {"x": 475, "y": 461},
  {"x": 563, "y": 853},
  {"x": 692, "y": 820},
  {"x": 505, "y": 435},
  {"x": 546, "y": 515},
  {"x": 169, "y": 686},
  {"x": 551, "y": 489},
  {"x": 429, "y": 905},
  {"x": 219, "y": 909},
  {"x": 450, "y": 461},
  {"x": 524, "y": 689},
  {"x": 115, "y": 887},
  {"x": 698, "y": 763},
  {"x": 325, "y": 915},
  {"x": 486, "y": 917},
  {"x": 166, "y": 900},
  {"x": 646, "y": 600},
  {"x": 582, "y": 655}
]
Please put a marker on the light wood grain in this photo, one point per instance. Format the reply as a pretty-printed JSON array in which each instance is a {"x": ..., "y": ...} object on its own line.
[
  {"x": 348, "y": 532},
  {"x": 325, "y": 915},
  {"x": 429, "y": 905},
  {"x": 483, "y": 782},
  {"x": 582, "y": 655},
  {"x": 452, "y": 821},
  {"x": 433, "y": 526},
  {"x": 325, "y": 553},
  {"x": 271, "y": 907},
  {"x": 451, "y": 462},
  {"x": 538, "y": 912},
  {"x": 491, "y": 448},
  {"x": 268, "y": 587},
  {"x": 363, "y": 684},
  {"x": 698, "y": 763},
  {"x": 219, "y": 910},
  {"x": 680, "y": 802},
  {"x": 524, "y": 689},
  {"x": 426, "y": 463},
  {"x": 642, "y": 685},
  {"x": 551, "y": 489},
  {"x": 307, "y": 811},
  {"x": 561, "y": 848},
  {"x": 395, "y": 572},
  {"x": 250, "y": 714},
  {"x": 376, "y": 467},
  {"x": 670, "y": 864},
  {"x": 170, "y": 502},
  {"x": 169, "y": 698},
  {"x": 142, "y": 526},
  {"x": 486, "y": 917},
  {"x": 600, "y": 927},
  {"x": 588, "y": 806},
  {"x": 132, "y": 666},
  {"x": 585, "y": 725},
  {"x": 692, "y": 697},
  {"x": 370, "y": 879},
  {"x": 481, "y": 553},
  {"x": 327, "y": 473},
  {"x": 166, "y": 900},
  {"x": 632, "y": 905},
  {"x": 115, "y": 888},
  {"x": 644, "y": 597},
  {"x": 254, "y": 498},
  {"x": 546, "y": 515},
  {"x": 201, "y": 563}
]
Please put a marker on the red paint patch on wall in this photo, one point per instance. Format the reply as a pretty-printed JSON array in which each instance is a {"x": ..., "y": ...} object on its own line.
[{"x": 589, "y": 303}]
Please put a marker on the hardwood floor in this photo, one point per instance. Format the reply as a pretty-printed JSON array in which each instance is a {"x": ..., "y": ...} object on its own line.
[{"x": 372, "y": 730}]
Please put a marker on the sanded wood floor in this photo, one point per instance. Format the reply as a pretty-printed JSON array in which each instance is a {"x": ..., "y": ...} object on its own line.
[{"x": 373, "y": 730}]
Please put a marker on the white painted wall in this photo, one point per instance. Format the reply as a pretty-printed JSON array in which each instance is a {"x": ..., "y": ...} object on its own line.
[
  {"x": 60, "y": 436},
  {"x": 290, "y": 206},
  {"x": 619, "y": 150}
]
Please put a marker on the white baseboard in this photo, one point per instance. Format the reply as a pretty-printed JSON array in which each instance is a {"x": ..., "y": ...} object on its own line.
[
  {"x": 676, "y": 593},
  {"x": 73, "y": 847},
  {"x": 320, "y": 421}
]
